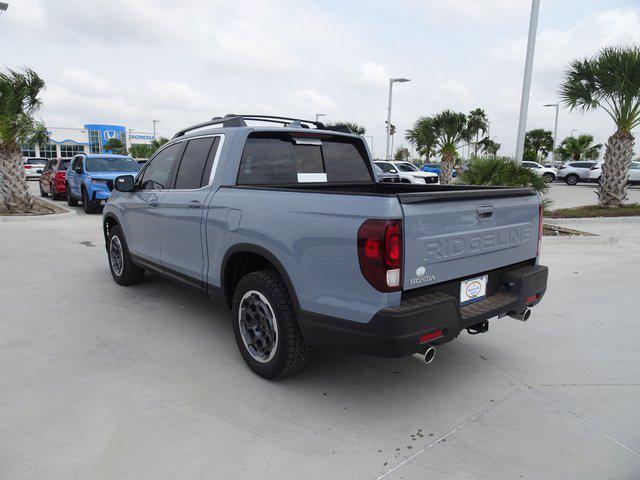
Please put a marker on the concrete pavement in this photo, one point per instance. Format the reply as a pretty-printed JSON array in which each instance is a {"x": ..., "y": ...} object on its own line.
[{"x": 101, "y": 381}]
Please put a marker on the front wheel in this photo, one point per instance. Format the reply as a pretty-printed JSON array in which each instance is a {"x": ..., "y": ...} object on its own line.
[
  {"x": 571, "y": 179},
  {"x": 72, "y": 202},
  {"x": 549, "y": 177},
  {"x": 88, "y": 205},
  {"x": 123, "y": 271},
  {"x": 265, "y": 326}
]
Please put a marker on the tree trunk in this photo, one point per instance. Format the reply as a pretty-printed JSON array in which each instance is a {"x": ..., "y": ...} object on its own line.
[
  {"x": 446, "y": 171},
  {"x": 14, "y": 193},
  {"x": 615, "y": 170}
]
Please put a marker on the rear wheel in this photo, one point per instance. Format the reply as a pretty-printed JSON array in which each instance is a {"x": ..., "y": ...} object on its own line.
[
  {"x": 123, "y": 271},
  {"x": 549, "y": 177},
  {"x": 72, "y": 202},
  {"x": 265, "y": 326},
  {"x": 571, "y": 179},
  {"x": 87, "y": 204}
]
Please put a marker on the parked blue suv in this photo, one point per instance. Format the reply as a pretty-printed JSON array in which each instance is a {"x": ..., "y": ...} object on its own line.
[{"x": 90, "y": 178}]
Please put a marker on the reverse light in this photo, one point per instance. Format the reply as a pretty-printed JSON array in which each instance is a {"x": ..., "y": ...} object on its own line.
[{"x": 380, "y": 253}]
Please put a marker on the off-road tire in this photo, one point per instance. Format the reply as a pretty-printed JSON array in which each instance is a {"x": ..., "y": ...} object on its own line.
[
  {"x": 87, "y": 204},
  {"x": 572, "y": 179},
  {"x": 131, "y": 274},
  {"x": 72, "y": 202},
  {"x": 292, "y": 353}
]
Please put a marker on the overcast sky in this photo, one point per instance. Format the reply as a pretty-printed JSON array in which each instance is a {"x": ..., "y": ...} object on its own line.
[{"x": 182, "y": 62}]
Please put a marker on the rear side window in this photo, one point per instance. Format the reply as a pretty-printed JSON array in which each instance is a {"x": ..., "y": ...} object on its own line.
[
  {"x": 273, "y": 160},
  {"x": 192, "y": 171}
]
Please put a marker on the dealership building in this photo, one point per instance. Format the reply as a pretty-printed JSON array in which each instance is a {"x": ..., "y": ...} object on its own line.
[{"x": 65, "y": 142}]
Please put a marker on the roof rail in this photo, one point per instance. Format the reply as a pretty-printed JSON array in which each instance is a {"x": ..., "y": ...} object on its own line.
[{"x": 233, "y": 120}]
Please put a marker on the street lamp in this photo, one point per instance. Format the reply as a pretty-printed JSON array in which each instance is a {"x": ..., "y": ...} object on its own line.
[
  {"x": 526, "y": 81},
  {"x": 573, "y": 130},
  {"x": 391, "y": 82},
  {"x": 373, "y": 148},
  {"x": 555, "y": 129},
  {"x": 154, "y": 128},
  {"x": 318, "y": 115}
]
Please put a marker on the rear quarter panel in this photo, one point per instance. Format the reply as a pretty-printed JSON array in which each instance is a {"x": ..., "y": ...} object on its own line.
[{"x": 313, "y": 236}]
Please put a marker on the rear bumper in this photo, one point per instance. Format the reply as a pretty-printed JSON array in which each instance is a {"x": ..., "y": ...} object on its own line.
[{"x": 396, "y": 331}]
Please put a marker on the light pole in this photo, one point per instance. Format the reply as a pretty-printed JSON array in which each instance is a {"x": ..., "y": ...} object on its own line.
[
  {"x": 573, "y": 130},
  {"x": 555, "y": 129},
  {"x": 526, "y": 81},
  {"x": 391, "y": 82},
  {"x": 154, "y": 128},
  {"x": 318, "y": 115}
]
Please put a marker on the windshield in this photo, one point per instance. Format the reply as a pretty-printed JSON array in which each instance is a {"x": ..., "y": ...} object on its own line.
[
  {"x": 406, "y": 167},
  {"x": 387, "y": 167},
  {"x": 111, "y": 164}
]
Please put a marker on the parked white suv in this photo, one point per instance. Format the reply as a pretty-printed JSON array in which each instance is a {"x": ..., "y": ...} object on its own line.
[
  {"x": 634, "y": 173},
  {"x": 548, "y": 173},
  {"x": 574, "y": 172},
  {"x": 408, "y": 172}
]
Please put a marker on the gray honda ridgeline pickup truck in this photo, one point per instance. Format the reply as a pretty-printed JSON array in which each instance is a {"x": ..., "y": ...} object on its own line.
[{"x": 287, "y": 225}]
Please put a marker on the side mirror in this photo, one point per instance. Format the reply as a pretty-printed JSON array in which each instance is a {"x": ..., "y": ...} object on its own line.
[{"x": 125, "y": 183}]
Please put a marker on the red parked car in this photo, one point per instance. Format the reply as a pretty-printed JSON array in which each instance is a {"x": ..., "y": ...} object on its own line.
[{"x": 52, "y": 179}]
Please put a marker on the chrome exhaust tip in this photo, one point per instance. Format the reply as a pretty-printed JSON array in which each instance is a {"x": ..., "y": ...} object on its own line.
[
  {"x": 426, "y": 357},
  {"x": 523, "y": 316}
]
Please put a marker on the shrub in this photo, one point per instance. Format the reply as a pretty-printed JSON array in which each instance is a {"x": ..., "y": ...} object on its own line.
[{"x": 502, "y": 171}]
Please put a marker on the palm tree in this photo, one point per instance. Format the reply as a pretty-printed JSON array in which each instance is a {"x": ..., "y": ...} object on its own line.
[
  {"x": 354, "y": 127},
  {"x": 489, "y": 146},
  {"x": 575, "y": 148},
  {"x": 402, "y": 154},
  {"x": 611, "y": 81},
  {"x": 443, "y": 133},
  {"x": 538, "y": 141},
  {"x": 478, "y": 122},
  {"x": 18, "y": 103},
  {"x": 422, "y": 136},
  {"x": 451, "y": 131}
]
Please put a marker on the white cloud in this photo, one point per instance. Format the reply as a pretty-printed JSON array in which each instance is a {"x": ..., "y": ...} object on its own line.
[
  {"x": 312, "y": 100},
  {"x": 374, "y": 74}
]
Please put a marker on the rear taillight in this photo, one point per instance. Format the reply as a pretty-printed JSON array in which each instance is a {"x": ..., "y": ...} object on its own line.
[
  {"x": 27, "y": 167},
  {"x": 539, "y": 230},
  {"x": 380, "y": 253}
]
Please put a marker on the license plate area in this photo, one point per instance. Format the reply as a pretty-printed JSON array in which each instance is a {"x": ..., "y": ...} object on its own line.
[{"x": 473, "y": 289}]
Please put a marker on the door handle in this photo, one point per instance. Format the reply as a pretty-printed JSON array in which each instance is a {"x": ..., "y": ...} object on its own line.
[
  {"x": 153, "y": 201},
  {"x": 194, "y": 204}
]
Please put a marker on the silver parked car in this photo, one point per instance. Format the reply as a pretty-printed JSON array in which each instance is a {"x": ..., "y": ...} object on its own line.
[{"x": 574, "y": 172}]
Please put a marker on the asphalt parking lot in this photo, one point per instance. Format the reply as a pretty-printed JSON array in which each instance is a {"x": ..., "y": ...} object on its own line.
[
  {"x": 564, "y": 196},
  {"x": 101, "y": 381}
]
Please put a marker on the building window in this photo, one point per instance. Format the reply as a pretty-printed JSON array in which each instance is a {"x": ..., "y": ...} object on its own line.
[
  {"x": 28, "y": 151},
  {"x": 94, "y": 141},
  {"x": 68, "y": 151},
  {"x": 48, "y": 150}
]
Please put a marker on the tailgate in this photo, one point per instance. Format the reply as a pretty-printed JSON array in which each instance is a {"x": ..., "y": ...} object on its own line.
[{"x": 452, "y": 238}]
